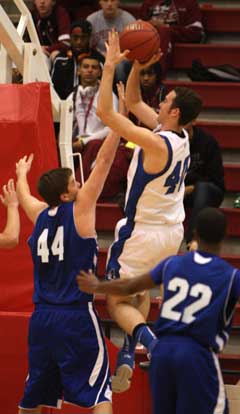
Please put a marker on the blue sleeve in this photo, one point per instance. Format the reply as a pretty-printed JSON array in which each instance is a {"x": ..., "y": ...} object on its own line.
[
  {"x": 236, "y": 285},
  {"x": 157, "y": 272}
]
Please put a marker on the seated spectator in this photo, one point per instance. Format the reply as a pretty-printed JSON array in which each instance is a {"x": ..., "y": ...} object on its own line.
[
  {"x": 89, "y": 131},
  {"x": 53, "y": 26},
  {"x": 204, "y": 182},
  {"x": 86, "y": 125},
  {"x": 79, "y": 9},
  {"x": 176, "y": 21},
  {"x": 110, "y": 17},
  {"x": 152, "y": 90},
  {"x": 65, "y": 67}
]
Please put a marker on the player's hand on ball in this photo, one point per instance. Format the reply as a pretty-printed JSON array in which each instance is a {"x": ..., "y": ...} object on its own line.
[
  {"x": 87, "y": 282},
  {"x": 155, "y": 58},
  {"x": 114, "y": 55}
]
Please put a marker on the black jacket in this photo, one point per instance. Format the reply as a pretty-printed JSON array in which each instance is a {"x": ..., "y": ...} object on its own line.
[{"x": 206, "y": 160}]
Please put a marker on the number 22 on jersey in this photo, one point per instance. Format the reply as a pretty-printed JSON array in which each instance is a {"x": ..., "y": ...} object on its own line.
[
  {"x": 56, "y": 249},
  {"x": 202, "y": 292}
]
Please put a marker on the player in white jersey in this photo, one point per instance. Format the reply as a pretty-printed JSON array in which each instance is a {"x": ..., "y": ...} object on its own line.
[{"x": 154, "y": 205}]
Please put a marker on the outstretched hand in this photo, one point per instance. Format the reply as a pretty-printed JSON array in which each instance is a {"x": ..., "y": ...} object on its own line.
[
  {"x": 114, "y": 54},
  {"x": 23, "y": 166},
  {"x": 87, "y": 282},
  {"x": 122, "y": 108},
  {"x": 9, "y": 196}
]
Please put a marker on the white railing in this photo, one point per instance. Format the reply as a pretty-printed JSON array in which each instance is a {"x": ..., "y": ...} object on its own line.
[{"x": 31, "y": 63}]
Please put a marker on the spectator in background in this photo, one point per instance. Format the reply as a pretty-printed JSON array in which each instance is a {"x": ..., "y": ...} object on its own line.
[
  {"x": 110, "y": 17},
  {"x": 53, "y": 26},
  {"x": 176, "y": 21},
  {"x": 89, "y": 132},
  {"x": 86, "y": 124},
  {"x": 65, "y": 67},
  {"x": 79, "y": 9},
  {"x": 204, "y": 182},
  {"x": 10, "y": 235},
  {"x": 152, "y": 90}
]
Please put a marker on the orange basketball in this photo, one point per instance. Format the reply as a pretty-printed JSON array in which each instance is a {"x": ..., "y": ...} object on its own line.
[{"x": 141, "y": 38}]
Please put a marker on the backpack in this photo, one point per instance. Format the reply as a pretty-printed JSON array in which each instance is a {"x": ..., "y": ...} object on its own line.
[{"x": 220, "y": 73}]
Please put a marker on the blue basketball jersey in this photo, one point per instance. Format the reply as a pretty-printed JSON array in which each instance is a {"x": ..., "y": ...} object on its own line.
[
  {"x": 200, "y": 292},
  {"x": 58, "y": 253}
]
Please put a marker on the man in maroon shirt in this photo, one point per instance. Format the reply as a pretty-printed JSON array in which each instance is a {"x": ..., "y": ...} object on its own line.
[
  {"x": 53, "y": 26},
  {"x": 176, "y": 21}
]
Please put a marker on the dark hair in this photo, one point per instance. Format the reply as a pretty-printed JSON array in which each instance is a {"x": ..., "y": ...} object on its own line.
[
  {"x": 189, "y": 103},
  {"x": 52, "y": 184},
  {"x": 156, "y": 69},
  {"x": 211, "y": 225},
  {"x": 85, "y": 25}
]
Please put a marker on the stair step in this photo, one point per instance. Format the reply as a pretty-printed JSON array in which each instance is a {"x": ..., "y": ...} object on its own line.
[
  {"x": 216, "y": 18},
  {"x": 220, "y": 19},
  {"x": 232, "y": 177},
  {"x": 234, "y": 260},
  {"x": 214, "y": 94},
  {"x": 101, "y": 305},
  {"x": 108, "y": 215},
  {"x": 209, "y": 54},
  {"x": 226, "y": 133}
]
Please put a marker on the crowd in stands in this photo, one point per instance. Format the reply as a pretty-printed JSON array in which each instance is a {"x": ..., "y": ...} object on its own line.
[{"x": 73, "y": 35}]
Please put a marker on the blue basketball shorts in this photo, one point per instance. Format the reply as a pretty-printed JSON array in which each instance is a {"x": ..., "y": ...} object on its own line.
[
  {"x": 185, "y": 378},
  {"x": 68, "y": 359}
]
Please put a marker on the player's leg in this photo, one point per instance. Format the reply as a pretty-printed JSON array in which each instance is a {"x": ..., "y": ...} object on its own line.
[
  {"x": 43, "y": 385},
  {"x": 104, "y": 408},
  {"x": 37, "y": 410},
  {"x": 83, "y": 360},
  {"x": 200, "y": 375},
  {"x": 136, "y": 258},
  {"x": 162, "y": 379}
]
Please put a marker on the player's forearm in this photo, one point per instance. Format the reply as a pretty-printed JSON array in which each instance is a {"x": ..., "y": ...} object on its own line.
[
  {"x": 10, "y": 236},
  {"x": 107, "y": 152},
  {"x": 105, "y": 98},
  {"x": 23, "y": 190},
  {"x": 133, "y": 92},
  {"x": 115, "y": 287}
]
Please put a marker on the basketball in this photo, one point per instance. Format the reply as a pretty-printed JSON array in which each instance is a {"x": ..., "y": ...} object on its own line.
[{"x": 141, "y": 39}]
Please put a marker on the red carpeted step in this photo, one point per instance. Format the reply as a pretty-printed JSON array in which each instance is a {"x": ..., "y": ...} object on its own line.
[
  {"x": 226, "y": 133},
  {"x": 234, "y": 260},
  {"x": 232, "y": 177},
  {"x": 214, "y": 94},
  {"x": 109, "y": 214},
  {"x": 216, "y": 19},
  {"x": 209, "y": 54},
  {"x": 101, "y": 305}
]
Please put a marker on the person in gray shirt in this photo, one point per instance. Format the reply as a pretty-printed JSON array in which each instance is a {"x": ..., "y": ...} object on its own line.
[{"x": 109, "y": 17}]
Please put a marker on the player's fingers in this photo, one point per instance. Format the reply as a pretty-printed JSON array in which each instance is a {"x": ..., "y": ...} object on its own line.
[
  {"x": 10, "y": 184},
  {"x": 30, "y": 158}
]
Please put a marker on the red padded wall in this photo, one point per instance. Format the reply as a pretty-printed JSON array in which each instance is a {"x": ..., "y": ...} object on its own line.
[{"x": 26, "y": 126}]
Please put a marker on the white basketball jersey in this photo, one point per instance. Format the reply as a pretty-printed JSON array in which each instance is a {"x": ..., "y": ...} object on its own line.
[{"x": 158, "y": 198}]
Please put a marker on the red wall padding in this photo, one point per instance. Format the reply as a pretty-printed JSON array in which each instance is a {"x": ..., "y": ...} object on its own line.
[{"x": 26, "y": 125}]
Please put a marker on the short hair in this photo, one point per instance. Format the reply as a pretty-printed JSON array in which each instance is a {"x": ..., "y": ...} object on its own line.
[
  {"x": 189, "y": 103},
  {"x": 52, "y": 184},
  {"x": 85, "y": 25},
  {"x": 211, "y": 225}
]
